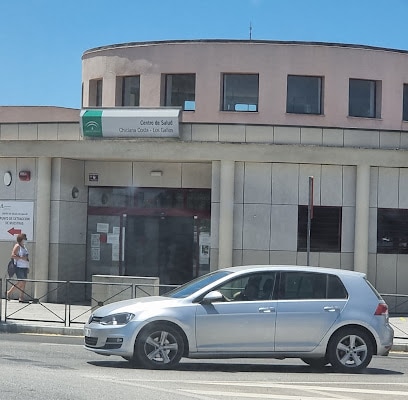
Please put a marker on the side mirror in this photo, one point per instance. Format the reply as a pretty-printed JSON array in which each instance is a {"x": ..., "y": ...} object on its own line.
[{"x": 212, "y": 297}]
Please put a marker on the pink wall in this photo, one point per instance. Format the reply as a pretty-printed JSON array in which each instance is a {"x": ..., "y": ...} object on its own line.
[{"x": 273, "y": 61}]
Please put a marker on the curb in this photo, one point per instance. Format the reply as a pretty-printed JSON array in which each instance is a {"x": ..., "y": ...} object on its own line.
[{"x": 6, "y": 327}]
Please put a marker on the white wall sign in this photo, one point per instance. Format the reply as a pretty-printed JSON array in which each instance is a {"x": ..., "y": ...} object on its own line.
[
  {"x": 16, "y": 217},
  {"x": 134, "y": 122}
]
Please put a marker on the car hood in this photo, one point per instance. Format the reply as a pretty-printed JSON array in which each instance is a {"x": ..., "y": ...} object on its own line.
[{"x": 136, "y": 305}]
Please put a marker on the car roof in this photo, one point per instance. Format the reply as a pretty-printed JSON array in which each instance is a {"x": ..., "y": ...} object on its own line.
[{"x": 302, "y": 268}]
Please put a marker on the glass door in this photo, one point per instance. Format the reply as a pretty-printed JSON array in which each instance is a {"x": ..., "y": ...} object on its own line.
[{"x": 160, "y": 246}]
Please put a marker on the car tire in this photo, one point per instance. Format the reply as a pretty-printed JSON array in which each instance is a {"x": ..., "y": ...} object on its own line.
[
  {"x": 350, "y": 350},
  {"x": 159, "y": 346},
  {"x": 317, "y": 363}
]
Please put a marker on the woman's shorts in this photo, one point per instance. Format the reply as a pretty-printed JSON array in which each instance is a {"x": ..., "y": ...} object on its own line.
[{"x": 21, "y": 273}]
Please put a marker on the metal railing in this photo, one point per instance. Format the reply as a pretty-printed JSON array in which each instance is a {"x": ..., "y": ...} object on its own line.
[{"x": 71, "y": 302}]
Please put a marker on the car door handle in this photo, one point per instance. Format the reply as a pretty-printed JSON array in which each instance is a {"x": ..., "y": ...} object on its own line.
[
  {"x": 331, "y": 308},
  {"x": 266, "y": 309}
]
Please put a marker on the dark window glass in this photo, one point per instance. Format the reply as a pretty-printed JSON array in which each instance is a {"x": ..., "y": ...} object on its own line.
[
  {"x": 95, "y": 93},
  {"x": 392, "y": 230},
  {"x": 99, "y": 93},
  {"x": 325, "y": 231},
  {"x": 362, "y": 98},
  {"x": 180, "y": 91},
  {"x": 335, "y": 288},
  {"x": 304, "y": 95},
  {"x": 310, "y": 285},
  {"x": 405, "y": 104},
  {"x": 240, "y": 92},
  {"x": 130, "y": 91},
  {"x": 251, "y": 287}
]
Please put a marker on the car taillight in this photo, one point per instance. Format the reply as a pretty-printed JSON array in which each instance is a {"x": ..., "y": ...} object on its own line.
[{"x": 382, "y": 309}]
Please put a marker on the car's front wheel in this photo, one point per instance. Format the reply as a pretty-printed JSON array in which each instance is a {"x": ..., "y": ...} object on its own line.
[
  {"x": 350, "y": 350},
  {"x": 159, "y": 346}
]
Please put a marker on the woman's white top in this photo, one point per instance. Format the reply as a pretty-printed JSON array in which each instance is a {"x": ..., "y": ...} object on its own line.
[{"x": 22, "y": 252}]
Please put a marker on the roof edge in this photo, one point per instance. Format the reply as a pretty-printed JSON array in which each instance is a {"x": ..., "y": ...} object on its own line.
[{"x": 241, "y": 41}]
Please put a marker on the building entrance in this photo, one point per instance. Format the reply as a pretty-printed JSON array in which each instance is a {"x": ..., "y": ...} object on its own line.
[
  {"x": 160, "y": 246},
  {"x": 155, "y": 232}
]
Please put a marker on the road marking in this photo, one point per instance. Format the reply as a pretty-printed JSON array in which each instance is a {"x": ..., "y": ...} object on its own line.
[{"x": 259, "y": 395}]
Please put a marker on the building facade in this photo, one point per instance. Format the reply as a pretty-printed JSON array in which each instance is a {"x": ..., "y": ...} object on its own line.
[{"x": 224, "y": 179}]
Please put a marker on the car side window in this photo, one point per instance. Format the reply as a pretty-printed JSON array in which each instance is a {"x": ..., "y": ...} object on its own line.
[
  {"x": 336, "y": 289},
  {"x": 253, "y": 287},
  {"x": 302, "y": 285}
]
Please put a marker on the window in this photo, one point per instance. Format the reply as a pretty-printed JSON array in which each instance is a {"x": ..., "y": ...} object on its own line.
[
  {"x": 304, "y": 95},
  {"x": 240, "y": 92},
  {"x": 253, "y": 287},
  {"x": 180, "y": 91},
  {"x": 392, "y": 230},
  {"x": 363, "y": 98},
  {"x": 95, "y": 93},
  {"x": 309, "y": 285},
  {"x": 405, "y": 104},
  {"x": 325, "y": 231},
  {"x": 129, "y": 89}
]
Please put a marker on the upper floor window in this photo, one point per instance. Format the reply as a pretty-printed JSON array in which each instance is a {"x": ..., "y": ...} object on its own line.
[
  {"x": 240, "y": 92},
  {"x": 128, "y": 91},
  {"x": 392, "y": 233},
  {"x": 180, "y": 91},
  {"x": 405, "y": 104},
  {"x": 95, "y": 93},
  {"x": 325, "y": 231},
  {"x": 304, "y": 95},
  {"x": 364, "y": 98}
]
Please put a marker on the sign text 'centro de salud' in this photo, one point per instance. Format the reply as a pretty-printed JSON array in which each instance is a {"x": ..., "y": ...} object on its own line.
[{"x": 135, "y": 122}]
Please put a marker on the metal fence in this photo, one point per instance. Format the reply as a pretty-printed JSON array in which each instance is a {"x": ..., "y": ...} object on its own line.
[{"x": 72, "y": 302}]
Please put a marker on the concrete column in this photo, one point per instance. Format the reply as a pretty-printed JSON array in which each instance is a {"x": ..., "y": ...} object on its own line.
[
  {"x": 362, "y": 218},
  {"x": 226, "y": 213},
  {"x": 42, "y": 229}
]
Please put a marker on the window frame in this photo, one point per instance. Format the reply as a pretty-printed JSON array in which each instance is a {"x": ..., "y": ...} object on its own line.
[
  {"x": 320, "y": 81},
  {"x": 224, "y": 93},
  {"x": 405, "y": 102},
  {"x": 374, "y": 99},
  {"x": 333, "y": 237},
  {"x": 121, "y": 87},
  {"x": 169, "y": 92},
  {"x": 391, "y": 233}
]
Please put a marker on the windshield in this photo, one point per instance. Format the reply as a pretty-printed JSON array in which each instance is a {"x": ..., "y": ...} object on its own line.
[{"x": 193, "y": 286}]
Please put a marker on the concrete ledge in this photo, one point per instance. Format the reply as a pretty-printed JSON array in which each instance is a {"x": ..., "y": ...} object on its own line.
[{"x": 8, "y": 327}]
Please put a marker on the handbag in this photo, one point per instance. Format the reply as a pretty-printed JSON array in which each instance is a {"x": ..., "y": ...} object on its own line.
[{"x": 11, "y": 268}]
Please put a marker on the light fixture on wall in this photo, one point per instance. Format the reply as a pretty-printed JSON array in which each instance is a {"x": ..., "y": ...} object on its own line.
[
  {"x": 75, "y": 192},
  {"x": 24, "y": 176},
  {"x": 156, "y": 173},
  {"x": 7, "y": 178}
]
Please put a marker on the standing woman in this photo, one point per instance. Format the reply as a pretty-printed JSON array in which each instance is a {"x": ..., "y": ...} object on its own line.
[{"x": 20, "y": 255}]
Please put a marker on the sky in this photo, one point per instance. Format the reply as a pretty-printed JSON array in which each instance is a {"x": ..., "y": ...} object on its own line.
[{"x": 42, "y": 41}]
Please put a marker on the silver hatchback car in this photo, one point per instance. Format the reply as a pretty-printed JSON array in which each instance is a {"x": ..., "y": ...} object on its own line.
[{"x": 321, "y": 315}]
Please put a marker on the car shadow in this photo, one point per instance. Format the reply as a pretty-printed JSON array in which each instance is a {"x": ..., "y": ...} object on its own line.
[{"x": 244, "y": 367}]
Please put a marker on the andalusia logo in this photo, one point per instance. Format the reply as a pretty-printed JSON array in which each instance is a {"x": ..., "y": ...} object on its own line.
[{"x": 92, "y": 123}]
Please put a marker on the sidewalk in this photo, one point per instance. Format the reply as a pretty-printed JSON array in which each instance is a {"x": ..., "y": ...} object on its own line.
[{"x": 53, "y": 319}]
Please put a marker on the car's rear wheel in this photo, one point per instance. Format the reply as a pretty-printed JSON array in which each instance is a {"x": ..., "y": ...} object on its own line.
[
  {"x": 350, "y": 350},
  {"x": 159, "y": 346},
  {"x": 316, "y": 362}
]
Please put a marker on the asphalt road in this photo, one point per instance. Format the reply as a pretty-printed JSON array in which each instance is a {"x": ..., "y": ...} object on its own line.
[{"x": 57, "y": 367}]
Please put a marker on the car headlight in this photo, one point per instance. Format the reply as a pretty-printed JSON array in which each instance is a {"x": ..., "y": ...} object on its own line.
[{"x": 117, "y": 319}]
